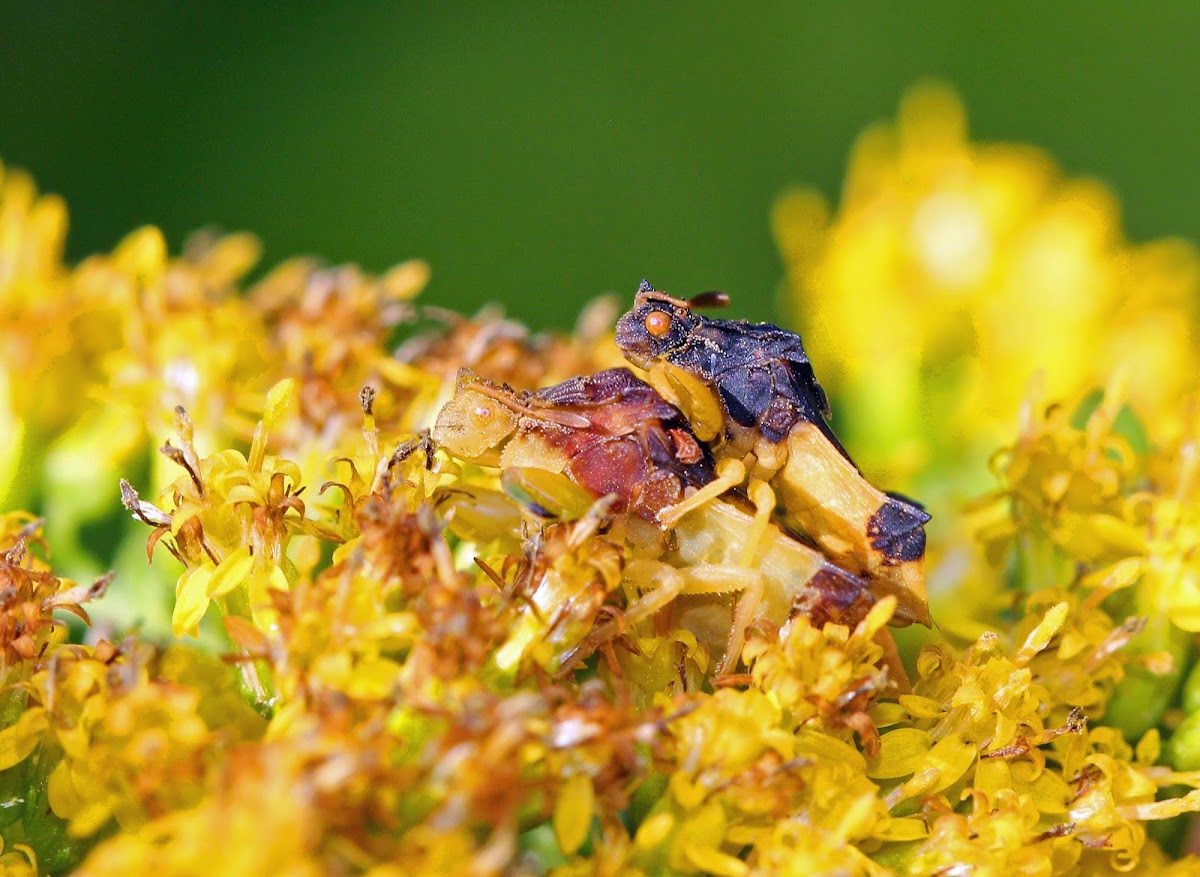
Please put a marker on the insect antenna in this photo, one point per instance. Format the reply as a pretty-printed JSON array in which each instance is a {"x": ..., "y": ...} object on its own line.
[
  {"x": 562, "y": 418},
  {"x": 714, "y": 298},
  {"x": 646, "y": 293}
]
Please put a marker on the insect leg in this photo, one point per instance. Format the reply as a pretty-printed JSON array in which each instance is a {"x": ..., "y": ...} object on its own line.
[
  {"x": 747, "y": 610},
  {"x": 668, "y": 583},
  {"x": 749, "y": 585},
  {"x": 730, "y": 473},
  {"x": 763, "y": 497}
]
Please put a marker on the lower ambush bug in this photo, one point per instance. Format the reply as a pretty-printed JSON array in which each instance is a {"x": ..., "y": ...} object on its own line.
[
  {"x": 750, "y": 389},
  {"x": 612, "y": 435}
]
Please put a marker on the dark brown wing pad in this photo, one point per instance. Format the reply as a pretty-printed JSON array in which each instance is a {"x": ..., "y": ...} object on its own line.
[
  {"x": 898, "y": 529},
  {"x": 834, "y": 595}
]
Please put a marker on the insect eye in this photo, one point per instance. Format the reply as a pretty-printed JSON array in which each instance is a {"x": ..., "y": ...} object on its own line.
[{"x": 658, "y": 323}]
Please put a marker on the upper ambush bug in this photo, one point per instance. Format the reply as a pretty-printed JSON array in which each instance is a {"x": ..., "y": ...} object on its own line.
[{"x": 750, "y": 389}]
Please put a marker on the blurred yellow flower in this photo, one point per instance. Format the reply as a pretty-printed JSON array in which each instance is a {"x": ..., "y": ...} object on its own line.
[{"x": 952, "y": 272}]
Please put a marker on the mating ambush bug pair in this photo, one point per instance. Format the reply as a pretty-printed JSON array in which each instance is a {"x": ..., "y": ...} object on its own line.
[{"x": 722, "y": 471}]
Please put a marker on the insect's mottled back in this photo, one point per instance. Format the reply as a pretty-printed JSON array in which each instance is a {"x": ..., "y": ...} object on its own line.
[{"x": 761, "y": 373}]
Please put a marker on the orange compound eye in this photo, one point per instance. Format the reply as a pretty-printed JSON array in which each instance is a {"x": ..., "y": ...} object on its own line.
[{"x": 658, "y": 323}]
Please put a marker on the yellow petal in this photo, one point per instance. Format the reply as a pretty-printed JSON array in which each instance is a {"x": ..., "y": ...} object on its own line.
[
  {"x": 1189, "y": 803},
  {"x": 191, "y": 601},
  {"x": 921, "y": 707},
  {"x": 991, "y": 776},
  {"x": 405, "y": 280},
  {"x": 1148, "y": 747},
  {"x": 232, "y": 257},
  {"x": 1050, "y": 792},
  {"x": 1119, "y": 534},
  {"x": 232, "y": 572},
  {"x": 279, "y": 399},
  {"x": 908, "y": 828},
  {"x": 689, "y": 793},
  {"x": 64, "y": 799},
  {"x": 74, "y": 741},
  {"x": 823, "y": 748},
  {"x": 19, "y": 740},
  {"x": 952, "y": 757},
  {"x": 887, "y": 714},
  {"x": 713, "y": 861},
  {"x": 900, "y": 753},
  {"x": 654, "y": 831},
  {"x": 373, "y": 679},
  {"x": 879, "y": 615},
  {"x": 142, "y": 252},
  {"x": 573, "y": 813},
  {"x": 90, "y": 819},
  {"x": 1041, "y": 635},
  {"x": 942, "y": 767},
  {"x": 244, "y": 493},
  {"x": 1181, "y": 598}
]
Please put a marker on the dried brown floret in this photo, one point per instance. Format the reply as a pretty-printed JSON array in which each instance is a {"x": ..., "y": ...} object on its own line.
[
  {"x": 29, "y": 596},
  {"x": 506, "y": 352}
]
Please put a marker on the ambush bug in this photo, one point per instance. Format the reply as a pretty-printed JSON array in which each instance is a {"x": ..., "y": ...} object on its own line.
[
  {"x": 612, "y": 435},
  {"x": 750, "y": 389}
]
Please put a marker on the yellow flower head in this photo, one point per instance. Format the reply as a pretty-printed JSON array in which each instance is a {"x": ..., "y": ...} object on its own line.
[
  {"x": 1069, "y": 487},
  {"x": 828, "y": 677},
  {"x": 954, "y": 270}
]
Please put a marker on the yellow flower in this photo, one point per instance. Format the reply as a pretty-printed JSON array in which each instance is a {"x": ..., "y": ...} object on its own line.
[
  {"x": 20, "y": 861},
  {"x": 953, "y": 271},
  {"x": 264, "y": 821},
  {"x": 828, "y": 678},
  {"x": 34, "y": 349},
  {"x": 229, "y": 522},
  {"x": 563, "y": 587},
  {"x": 183, "y": 337},
  {"x": 1071, "y": 491},
  {"x": 103, "y": 738},
  {"x": 994, "y": 838},
  {"x": 1080, "y": 508}
]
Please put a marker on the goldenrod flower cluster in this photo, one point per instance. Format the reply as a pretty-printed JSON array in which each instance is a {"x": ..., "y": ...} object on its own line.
[
  {"x": 360, "y": 651},
  {"x": 954, "y": 272}
]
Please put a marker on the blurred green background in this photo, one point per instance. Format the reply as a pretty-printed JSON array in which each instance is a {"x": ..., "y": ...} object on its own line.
[{"x": 541, "y": 153}]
